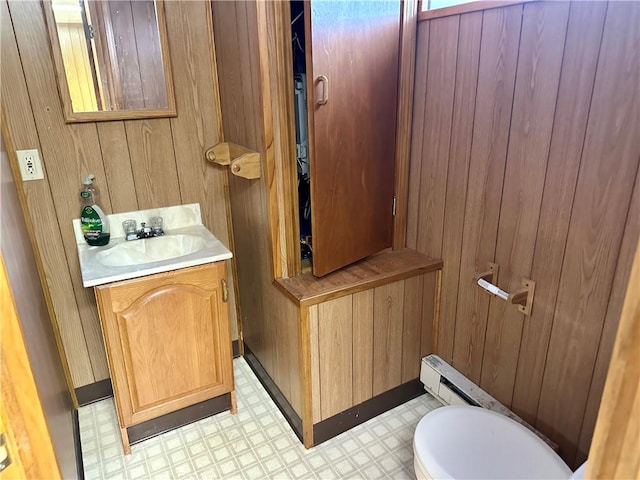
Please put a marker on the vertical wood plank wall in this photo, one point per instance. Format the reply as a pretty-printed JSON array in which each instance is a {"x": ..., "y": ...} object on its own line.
[
  {"x": 138, "y": 163},
  {"x": 525, "y": 152},
  {"x": 367, "y": 343},
  {"x": 270, "y": 321}
]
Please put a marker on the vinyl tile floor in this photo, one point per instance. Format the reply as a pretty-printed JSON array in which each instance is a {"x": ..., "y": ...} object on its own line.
[{"x": 256, "y": 443}]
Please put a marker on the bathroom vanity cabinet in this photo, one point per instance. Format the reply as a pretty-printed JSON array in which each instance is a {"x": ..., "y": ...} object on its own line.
[{"x": 168, "y": 342}]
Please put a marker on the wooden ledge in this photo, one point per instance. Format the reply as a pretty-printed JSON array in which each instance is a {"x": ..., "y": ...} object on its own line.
[{"x": 385, "y": 267}]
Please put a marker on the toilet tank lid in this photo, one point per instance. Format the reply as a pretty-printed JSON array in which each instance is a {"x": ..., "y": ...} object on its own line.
[{"x": 472, "y": 442}]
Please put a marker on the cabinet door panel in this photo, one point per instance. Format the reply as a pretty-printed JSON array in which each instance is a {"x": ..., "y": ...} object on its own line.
[
  {"x": 165, "y": 336},
  {"x": 352, "y": 136}
]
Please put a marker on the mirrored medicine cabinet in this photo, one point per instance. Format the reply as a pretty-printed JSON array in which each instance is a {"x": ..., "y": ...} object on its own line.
[{"x": 111, "y": 59}]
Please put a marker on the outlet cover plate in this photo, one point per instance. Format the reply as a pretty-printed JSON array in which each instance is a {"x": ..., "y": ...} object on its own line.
[{"x": 30, "y": 165}]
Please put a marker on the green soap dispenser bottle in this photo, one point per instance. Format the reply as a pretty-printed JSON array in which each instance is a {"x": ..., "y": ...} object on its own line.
[{"x": 93, "y": 221}]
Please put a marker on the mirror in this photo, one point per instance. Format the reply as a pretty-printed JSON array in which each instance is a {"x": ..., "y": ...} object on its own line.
[{"x": 111, "y": 59}]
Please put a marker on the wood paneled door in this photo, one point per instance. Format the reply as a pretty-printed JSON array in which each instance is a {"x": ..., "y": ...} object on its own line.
[{"x": 352, "y": 78}]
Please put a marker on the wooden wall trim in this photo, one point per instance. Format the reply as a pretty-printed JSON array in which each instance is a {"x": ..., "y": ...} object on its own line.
[
  {"x": 406, "y": 81},
  {"x": 380, "y": 269},
  {"x": 276, "y": 72},
  {"x": 614, "y": 452},
  {"x": 468, "y": 7}
]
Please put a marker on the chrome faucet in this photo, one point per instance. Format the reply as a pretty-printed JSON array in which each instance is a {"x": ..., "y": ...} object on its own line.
[{"x": 155, "y": 230}]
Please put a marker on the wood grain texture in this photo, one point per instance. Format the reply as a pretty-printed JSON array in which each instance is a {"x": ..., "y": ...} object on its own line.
[
  {"x": 468, "y": 7},
  {"x": 546, "y": 194},
  {"x": 494, "y": 97},
  {"x": 385, "y": 267},
  {"x": 276, "y": 66},
  {"x": 387, "y": 336},
  {"x": 335, "y": 320},
  {"x": 363, "y": 371},
  {"x": 614, "y": 453},
  {"x": 582, "y": 45},
  {"x": 20, "y": 134},
  {"x": 594, "y": 234},
  {"x": 431, "y": 313},
  {"x": 198, "y": 125},
  {"x": 153, "y": 163},
  {"x": 41, "y": 337},
  {"x": 134, "y": 161},
  {"x": 351, "y": 187},
  {"x": 117, "y": 166},
  {"x": 619, "y": 290},
  {"x": 316, "y": 414},
  {"x": 406, "y": 79},
  {"x": 436, "y": 138},
  {"x": 69, "y": 153},
  {"x": 534, "y": 104},
  {"x": 466, "y": 81},
  {"x": 21, "y": 410},
  {"x": 412, "y": 322},
  {"x": 417, "y": 126},
  {"x": 168, "y": 341}
]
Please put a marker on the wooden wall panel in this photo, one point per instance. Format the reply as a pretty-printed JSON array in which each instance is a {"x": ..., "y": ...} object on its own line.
[
  {"x": 544, "y": 189},
  {"x": 362, "y": 346},
  {"x": 601, "y": 203},
  {"x": 388, "y": 303},
  {"x": 537, "y": 78},
  {"x": 267, "y": 317},
  {"x": 436, "y": 138},
  {"x": 464, "y": 103},
  {"x": 412, "y": 320},
  {"x": 367, "y": 343},
  {"x": 419, "y": 101},
  {"x": 138, "y": 164},
  {"x": 23, "y": 133},
  {"x": 494, "y": 96},
  {"x": 335, "y": 343},
  {"x": 574, "y": 99}
]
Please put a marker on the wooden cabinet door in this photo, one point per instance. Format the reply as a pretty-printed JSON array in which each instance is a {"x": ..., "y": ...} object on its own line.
[
  {"x": 168, "y": 341},
  {"x": 354, "y": 45}
]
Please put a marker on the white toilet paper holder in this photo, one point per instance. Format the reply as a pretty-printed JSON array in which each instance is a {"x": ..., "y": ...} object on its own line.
[{"x": 522, "y": 297}]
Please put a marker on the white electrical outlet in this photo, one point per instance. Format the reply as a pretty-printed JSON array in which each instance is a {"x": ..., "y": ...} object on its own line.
[{"x": 30, "y": 165}]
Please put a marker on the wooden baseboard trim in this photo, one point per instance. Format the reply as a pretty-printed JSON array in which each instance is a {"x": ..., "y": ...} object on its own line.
[
  {"x": 343, "y": 421},
  {"x": 77, "y": 441},
  {"x": 184, "y": 416},
  {"x": 274, "y": 392},
  {"x": 94, "y": 391}
]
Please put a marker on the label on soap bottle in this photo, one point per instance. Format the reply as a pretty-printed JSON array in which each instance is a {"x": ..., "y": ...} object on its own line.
[{"x": 91, "y": 223}]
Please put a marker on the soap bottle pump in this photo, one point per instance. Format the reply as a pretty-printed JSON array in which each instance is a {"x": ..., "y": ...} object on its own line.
[{"x": 93, "y": 221}]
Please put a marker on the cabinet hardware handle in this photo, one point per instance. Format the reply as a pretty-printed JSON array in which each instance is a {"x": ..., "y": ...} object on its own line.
[
  {"x": 225, "y": 291},
  {"x": 325, "y": 89}
]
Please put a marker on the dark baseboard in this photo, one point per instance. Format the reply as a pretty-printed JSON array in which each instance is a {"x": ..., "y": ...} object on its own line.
[
  {"x": 77, "y": 443},
  {"x": 94, "y": 392},
  {"x": 274, "y": 392},
  {"x": 343, "y": 421},
  {"x": 235, "y": 348},
  {"x": 184, "y": 416}
]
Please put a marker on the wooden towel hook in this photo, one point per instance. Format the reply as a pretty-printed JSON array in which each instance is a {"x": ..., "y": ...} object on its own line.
[{"x": 244, "y": 162}]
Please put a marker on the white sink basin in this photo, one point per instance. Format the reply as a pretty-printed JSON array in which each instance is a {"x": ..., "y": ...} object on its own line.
[{"x": 148, "y": 250}]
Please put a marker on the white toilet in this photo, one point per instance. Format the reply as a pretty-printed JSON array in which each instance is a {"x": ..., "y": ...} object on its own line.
[{"x": 465, "y": 442}]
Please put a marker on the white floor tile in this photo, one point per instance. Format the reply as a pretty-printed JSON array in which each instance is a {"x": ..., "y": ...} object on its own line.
[{"x": 256, "y": 443}]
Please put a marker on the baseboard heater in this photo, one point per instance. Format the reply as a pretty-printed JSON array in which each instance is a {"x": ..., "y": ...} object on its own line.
[{"x": 450, "y": 387}]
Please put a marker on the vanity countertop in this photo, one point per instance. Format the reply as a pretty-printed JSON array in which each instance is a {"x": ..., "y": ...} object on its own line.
[{"x": 181, "y": 220}]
